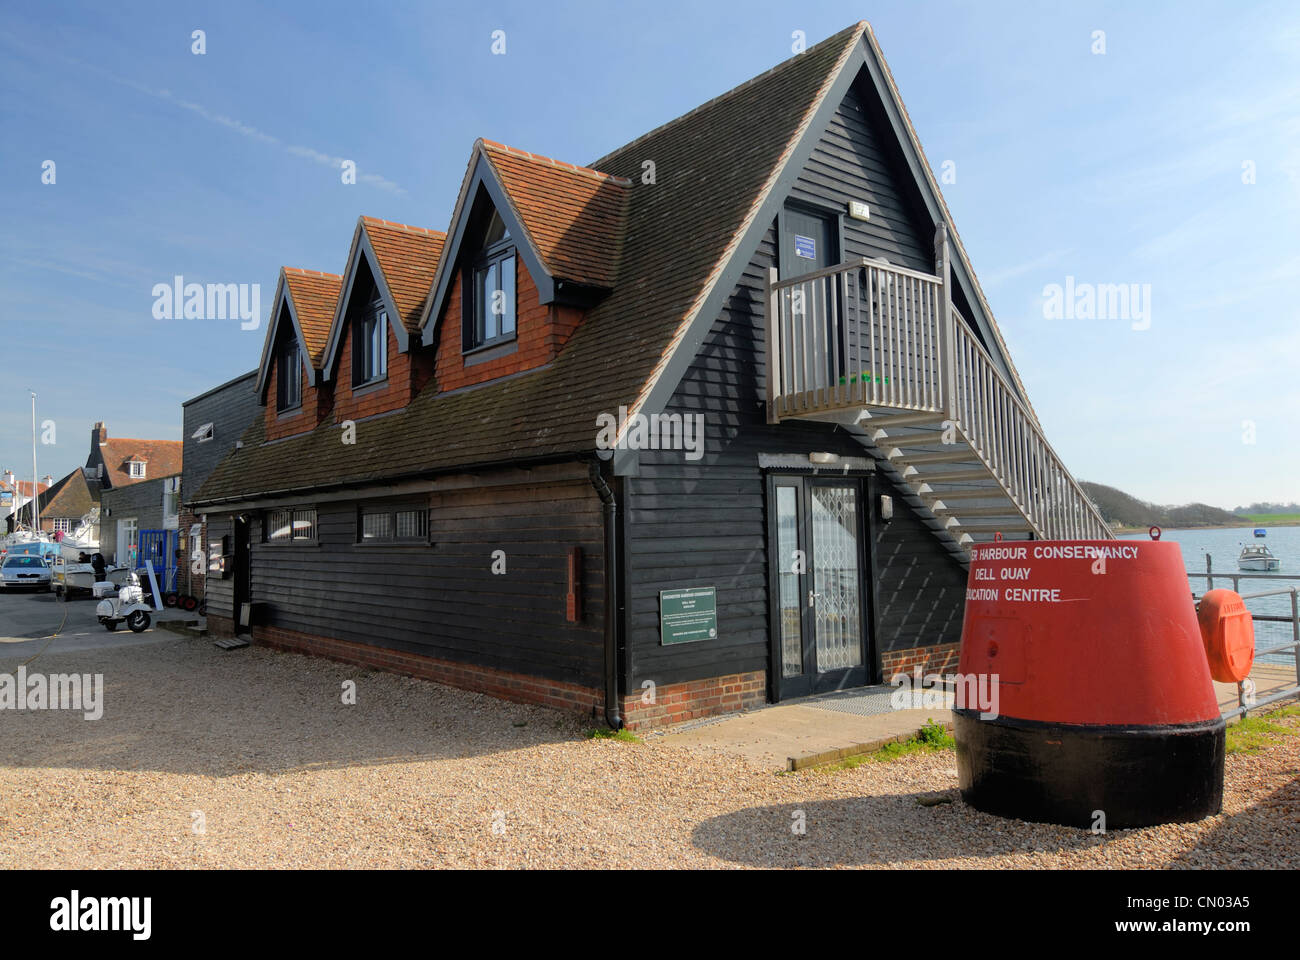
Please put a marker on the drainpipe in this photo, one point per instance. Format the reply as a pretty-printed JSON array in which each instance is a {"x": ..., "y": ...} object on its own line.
[{"x": 606, "y": 495}]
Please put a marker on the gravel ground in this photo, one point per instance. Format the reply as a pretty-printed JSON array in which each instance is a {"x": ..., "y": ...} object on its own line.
[{"x": 258, "y": 749}]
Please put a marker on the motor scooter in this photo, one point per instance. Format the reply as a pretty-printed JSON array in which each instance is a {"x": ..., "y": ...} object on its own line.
[{"x": 128, "y": 605}]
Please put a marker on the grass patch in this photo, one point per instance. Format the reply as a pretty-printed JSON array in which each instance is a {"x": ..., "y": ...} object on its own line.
[
  {"x": 930, "y": 738},
  {"x": 1264, "y": 519},
  {"x": 605, "y": 733},
  {"x": 1250, "y": 735}
]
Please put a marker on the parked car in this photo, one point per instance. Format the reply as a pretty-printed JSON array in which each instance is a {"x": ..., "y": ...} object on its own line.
[{"x": 19, "y": 571}]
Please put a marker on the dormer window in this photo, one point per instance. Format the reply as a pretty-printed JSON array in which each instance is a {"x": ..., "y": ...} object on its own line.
[
  {"x": 135, "y": 469},
  {"x": 490, "y": 311},
  {"x": 370, "y": 346},
  {"x": 288, "y": 378}
]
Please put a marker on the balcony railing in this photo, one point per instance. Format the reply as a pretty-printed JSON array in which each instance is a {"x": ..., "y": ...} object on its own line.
[
  {"x": 866, "y": 333},
  {"x": 862, "y": 332}
]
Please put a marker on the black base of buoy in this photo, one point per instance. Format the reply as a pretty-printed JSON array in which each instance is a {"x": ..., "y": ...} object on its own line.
[{"x": 1064, "y": 773}]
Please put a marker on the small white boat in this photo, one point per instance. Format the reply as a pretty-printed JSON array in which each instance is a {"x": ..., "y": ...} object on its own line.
[
  {"x": 70, "y": 578},
  {"x": 1257, "y": 557}
]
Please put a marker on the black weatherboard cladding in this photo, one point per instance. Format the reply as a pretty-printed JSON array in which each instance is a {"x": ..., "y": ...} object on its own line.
[
  {"x": 230, "y": 408},
  {"x": 702, "y": 522},
  {"x": 443, "y": 600}
]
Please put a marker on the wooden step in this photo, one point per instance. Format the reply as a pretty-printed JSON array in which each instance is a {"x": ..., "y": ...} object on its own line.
[
  {"x": 977, "y": 493},
  {"x": 1007, "y": 510},
  {"x": 928, "y": 439},
  {"x": 903, "y": 420},
  {"x": 977, "y": 528},
  {"x": 955, "y": 476},
  {"x": 958, "y": 456}
]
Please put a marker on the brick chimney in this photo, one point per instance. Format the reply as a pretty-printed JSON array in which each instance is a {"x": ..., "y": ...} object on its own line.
[{"x": 98, "y": 433}]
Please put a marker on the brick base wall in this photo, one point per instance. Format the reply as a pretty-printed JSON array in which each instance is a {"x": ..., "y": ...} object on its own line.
[
  {"x": 517, "y": 687},
  {"x": 676, "y": 702},
  {"x": 672, "y": 703},
  {"x": 940, "y": 658}
]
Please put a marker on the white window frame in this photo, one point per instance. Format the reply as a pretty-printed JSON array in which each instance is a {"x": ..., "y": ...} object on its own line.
[{"x": 128, "y": 541}]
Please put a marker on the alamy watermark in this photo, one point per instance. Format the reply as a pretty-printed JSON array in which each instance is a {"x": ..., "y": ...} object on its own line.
[
  {"x": 928, "y": 692},
  {"x": 179, "y": 300},
  {"x": 1098, "y": 301},
  {"x": 658, "y": 431},
  {"x": 55, "y": 691}
]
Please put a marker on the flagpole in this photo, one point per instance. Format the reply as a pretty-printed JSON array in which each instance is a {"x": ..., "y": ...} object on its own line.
[{"x": 36, "y": 502}]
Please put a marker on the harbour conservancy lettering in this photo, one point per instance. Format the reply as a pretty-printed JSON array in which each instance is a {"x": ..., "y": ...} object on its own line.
[
  {"x": 1082, "y": 552},
  {"x": 1068, "y": 551},
  {"x": 1017, "y": 594},
  {"x": 1034, "y": 595},
  {"x": 1006, "y": 573}
]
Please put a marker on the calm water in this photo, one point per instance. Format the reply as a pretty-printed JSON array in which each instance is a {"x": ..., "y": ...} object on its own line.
[{"x": 1223, "y": 546}]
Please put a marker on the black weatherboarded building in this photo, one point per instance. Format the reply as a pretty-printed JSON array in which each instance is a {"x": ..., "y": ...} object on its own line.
[{"x": 709, "y": 423}]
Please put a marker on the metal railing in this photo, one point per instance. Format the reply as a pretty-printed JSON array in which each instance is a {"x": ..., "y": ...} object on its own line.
[
  {"x": 999, "y": 427},
  {"x": 866, "y": 332}
]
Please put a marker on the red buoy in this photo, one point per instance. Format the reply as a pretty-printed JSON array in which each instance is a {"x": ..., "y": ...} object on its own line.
[{"x": 1104, "y": 710}]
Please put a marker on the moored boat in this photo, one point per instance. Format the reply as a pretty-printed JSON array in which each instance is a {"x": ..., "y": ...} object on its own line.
[{"x": 1257, "y": 557}]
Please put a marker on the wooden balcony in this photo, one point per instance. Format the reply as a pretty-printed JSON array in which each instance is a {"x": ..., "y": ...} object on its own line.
[{"x": 880, "y": 349}]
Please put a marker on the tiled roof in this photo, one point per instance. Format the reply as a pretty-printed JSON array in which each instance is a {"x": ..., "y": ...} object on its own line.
[
  {"x": 24, "y": 487},
  {"x": 315, "y": 296},
  {"x": 408, "y": 257},
  {"x": 70, "y": 497},
  {"x": 162, "y": 456},
  {"x": 713, "y": 170},
  {"x": 574, "y": 215}
]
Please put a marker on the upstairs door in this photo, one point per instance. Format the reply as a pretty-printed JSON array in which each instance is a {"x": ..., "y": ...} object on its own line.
[
  {"x": 809, "y": 241},
  {"x": 817, "y": 555}
]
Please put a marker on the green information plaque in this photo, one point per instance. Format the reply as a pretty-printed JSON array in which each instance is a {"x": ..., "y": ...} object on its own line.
[{"x": 689, "y": 614}]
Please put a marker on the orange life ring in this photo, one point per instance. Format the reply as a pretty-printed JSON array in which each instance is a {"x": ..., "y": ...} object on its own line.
[{"x": 1229, "y": 635}]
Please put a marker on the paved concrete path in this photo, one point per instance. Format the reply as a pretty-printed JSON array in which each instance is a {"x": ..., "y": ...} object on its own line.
[
  {"x": 820, "y": 729},
  {"x": 809, "y": 731}
]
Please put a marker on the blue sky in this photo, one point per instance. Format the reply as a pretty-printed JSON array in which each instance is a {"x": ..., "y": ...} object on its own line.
[{"x": 1120, "y": 167}]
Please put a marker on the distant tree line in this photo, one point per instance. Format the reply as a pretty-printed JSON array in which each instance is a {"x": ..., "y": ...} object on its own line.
[
  {"x": 1269, "y": 508},
  {"x": 1121, "y": 509}
]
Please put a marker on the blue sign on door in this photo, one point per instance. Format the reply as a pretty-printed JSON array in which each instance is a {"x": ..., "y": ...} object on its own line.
[{"x": 805, "y": 247}]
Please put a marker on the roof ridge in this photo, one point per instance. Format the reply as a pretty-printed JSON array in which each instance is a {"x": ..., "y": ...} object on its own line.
[
  {"x": 859, "y": 28},
  {"x": 302, "y": 271},
  {"x": 562, "y": 164},
  {"x": 394, "y": 225},
  {"x": 755, "y": 206}
]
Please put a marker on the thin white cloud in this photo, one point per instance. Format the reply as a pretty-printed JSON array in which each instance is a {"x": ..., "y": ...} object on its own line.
[
  {"x": 993, "y": 278},
  {"x": 233, "y": 124}
]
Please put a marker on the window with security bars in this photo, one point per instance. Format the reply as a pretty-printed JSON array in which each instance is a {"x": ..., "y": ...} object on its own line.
[
  {"x": 394, "y": 525},
  {"x": 285, "y": 526}
]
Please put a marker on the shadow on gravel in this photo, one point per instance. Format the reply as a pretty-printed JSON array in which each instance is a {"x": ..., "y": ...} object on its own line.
[
  {"x": 876, "y": 830},
  {"x": 1238, "y": 837},
  {"x": 186, "y": 707}
]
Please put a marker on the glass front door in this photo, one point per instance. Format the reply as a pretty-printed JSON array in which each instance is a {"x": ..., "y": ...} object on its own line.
[{"x": 817, "y": 556}]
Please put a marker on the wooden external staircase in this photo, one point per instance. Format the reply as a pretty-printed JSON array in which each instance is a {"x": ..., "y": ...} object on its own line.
[{"x": 881, "y": 351}]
